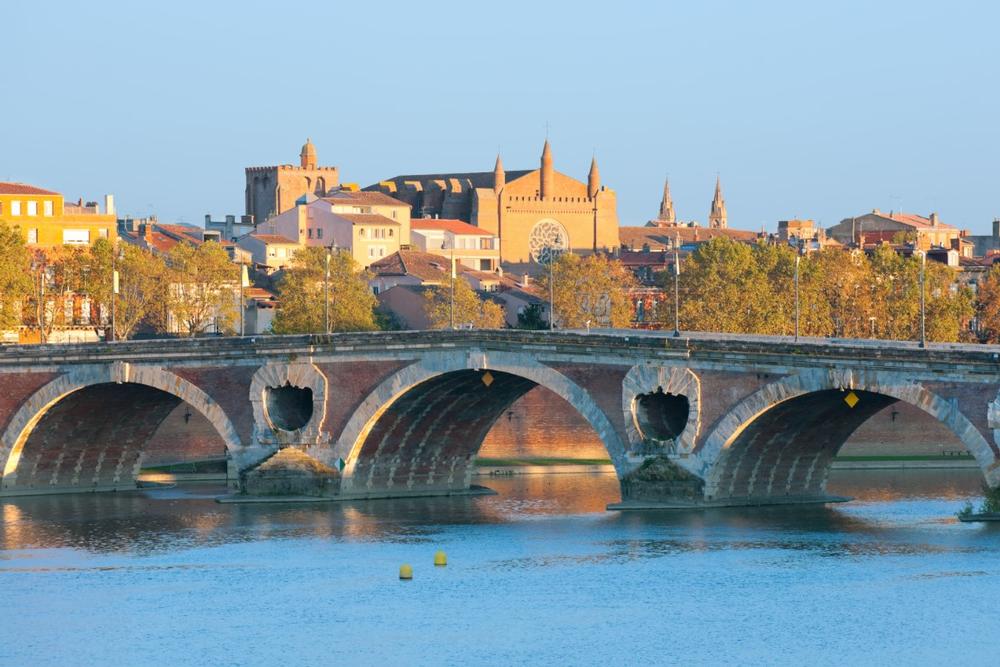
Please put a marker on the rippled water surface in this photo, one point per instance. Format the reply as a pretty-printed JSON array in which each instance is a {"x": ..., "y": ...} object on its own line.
[{"x": 537, "y": 574}]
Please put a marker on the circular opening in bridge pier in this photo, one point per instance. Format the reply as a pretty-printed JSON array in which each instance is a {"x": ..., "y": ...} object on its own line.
[
  {"x": 288, "y": 408},
  {"x": 661, "y": 416}
]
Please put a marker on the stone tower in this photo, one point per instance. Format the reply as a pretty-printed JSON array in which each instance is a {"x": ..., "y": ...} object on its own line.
[
  {"x": 273, "y": 190},
  {"x": 545, "y": 189},
  {"x": 718, "y": 219},
  {"x": 593, "y": 179},
  {"x": 499, "y": 177},
  {"x": 666, "y": 206}
]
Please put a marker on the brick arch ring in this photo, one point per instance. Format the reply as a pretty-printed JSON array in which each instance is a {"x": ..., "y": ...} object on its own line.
[
  {"x": 302, "y": 375},
  {"x": 744, "y": 413},
  {"x": 648, "y": 378},
  {"x": 352, "y": 438},
  {"x": 31, "y": 412}
]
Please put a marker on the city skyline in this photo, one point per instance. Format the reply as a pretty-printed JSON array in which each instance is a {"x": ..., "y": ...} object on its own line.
[{"x": 827, "y": 112}]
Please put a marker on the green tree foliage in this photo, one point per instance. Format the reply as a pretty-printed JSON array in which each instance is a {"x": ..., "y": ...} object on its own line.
[
  {"x": 15, "y": 275},
  {"x": 351, "y": 302},
  {"x": 470, "y": 309},
  {"x": 589, "y": 289},
  {"x": 203, "y": 288},
  {"x": 532, "y": 317},
  {"x": 732, "y": 287}
]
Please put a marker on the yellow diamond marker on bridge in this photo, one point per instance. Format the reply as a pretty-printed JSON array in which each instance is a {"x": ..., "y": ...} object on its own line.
[
  {"x": 487, "y": 378},
  {"x": 851, "y": 399}
]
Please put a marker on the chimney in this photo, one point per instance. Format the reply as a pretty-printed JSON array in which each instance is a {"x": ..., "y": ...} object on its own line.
[
  {"x": 109, "y": 204},
  {"x": 142, "y": 230},
  {"x": 996, "y": 228},
  {"x": 526, "y": 280},
  {"x": 934, "y": 219}
]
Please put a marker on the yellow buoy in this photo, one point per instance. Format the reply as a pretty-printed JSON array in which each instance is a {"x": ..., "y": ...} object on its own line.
[
  {"x": 440, "y": 559},
  {"x": 405, "y": 571}
]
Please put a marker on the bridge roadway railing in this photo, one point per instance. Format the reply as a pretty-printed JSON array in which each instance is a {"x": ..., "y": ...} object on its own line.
[{"x": 632, "y": 344}]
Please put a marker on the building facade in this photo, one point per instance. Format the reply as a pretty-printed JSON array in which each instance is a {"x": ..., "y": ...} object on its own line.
[
  {"x": 369, "y": 225},
  {"x": 471, "y": 246},
  {"x": 528, "y": 210},
  {"x": 47, "y": 221},
  {"x": 273, "y": 190},
  {"x": 876, "y": 227}
]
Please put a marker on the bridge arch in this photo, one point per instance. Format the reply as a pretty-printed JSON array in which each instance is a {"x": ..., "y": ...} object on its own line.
[
  {"x": 419, "y": 429},
  {"x": 781, "y": 440},
  {"x": 156, "y": 390}
]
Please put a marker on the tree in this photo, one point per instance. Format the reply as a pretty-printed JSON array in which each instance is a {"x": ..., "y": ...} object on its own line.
[
  {"x": 532, "y": 317},
  {"x": 590, "y": 289},
  {"x": 143, "y": 289},
  {"x": 469, "y": 308},
  {"x": 350, "y": 298},
  {"x": 15, "y": 276},
  {"x": 203, "y": 287},
  {"x": 988, "y": 306}
]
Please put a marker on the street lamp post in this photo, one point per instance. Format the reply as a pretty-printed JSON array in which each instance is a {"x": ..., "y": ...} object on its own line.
[
  {"x": 114, "y": 292},
  {"x": 326, "y": 294},
  {"x": 798, "y": 261},
  {"x": 923, "y": 299},
  {"x": 677, "y": 288},
  {"x": 243, "y": 307}
]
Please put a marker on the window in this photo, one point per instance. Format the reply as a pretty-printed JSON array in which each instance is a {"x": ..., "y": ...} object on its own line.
[
  {"x": 390, "y": 233},
  {"x": 319, "y": 232},
  {"x": 15, "y": 207},
  {"x": 1, "y": 208},
  {"x": 32, "y": 208},
  {"x": 103, "y": 233},
  {"x": 47, "y": 208},
  {"x": 32, "y": 236},
  {"x": 76, "y": 237},
  {"x": 371, "y": 251},
  {"x": 361, "y": 233},
  {"x": 310, "y": 232}
]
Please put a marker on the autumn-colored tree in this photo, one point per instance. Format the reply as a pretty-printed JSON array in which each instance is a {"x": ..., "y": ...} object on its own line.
[
  {"x": 15, "y": 275},
  {"x": 203, "y": 288},
  {"x": 143, "y": 290},
  {"x": 590, "y": 289},
  {"x": 470, "y": 310},
  {"x": 350, "y": 300},
  {"x": 988, "y": 306}
]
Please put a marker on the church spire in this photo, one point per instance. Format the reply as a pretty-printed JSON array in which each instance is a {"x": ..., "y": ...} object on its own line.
[
  {"x": 499, "y": 176},
  {"x": 545, "y": 177},
  {"x": 593, "y": 179},
  {"x": 718, "y": 219},
  {"x": 667, "y": 205}
]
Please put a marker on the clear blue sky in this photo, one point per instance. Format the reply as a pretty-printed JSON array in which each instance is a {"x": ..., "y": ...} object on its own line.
[{"x": 818, "y": 110}]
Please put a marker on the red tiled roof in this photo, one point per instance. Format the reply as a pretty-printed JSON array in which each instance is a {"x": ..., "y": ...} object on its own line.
[
  {"x": 23, "y": 189},
  {"x": 273, "y": 238},
  {"x": 364, "y": 198},
  {"x": 662, "y": 237},
  {"x": 422, "y": 265},
  {"x": 447, "y": 225},
  {"x": 367, "y": 218}
]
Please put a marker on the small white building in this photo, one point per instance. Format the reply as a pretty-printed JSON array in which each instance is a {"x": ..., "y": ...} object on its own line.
[{"x": 473, "y": 247}]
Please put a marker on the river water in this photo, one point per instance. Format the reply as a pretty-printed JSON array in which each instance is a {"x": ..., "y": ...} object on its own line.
[{"x": 539, "y": 574}]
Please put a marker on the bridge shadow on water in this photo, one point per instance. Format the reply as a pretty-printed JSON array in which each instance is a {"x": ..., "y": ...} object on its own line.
[{"x": 894, "y": 513}]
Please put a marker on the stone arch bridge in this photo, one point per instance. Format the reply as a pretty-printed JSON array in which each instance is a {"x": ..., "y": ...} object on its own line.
[{"x": 722, "y": 420}]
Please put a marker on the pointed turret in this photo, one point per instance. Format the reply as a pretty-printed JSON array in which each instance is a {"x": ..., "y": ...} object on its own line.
[
  {"x": 307, "y": 158},
  {"x": 545, "y": 184},
  {"x": 593, "y": 179},
  {"x": 718, "y": 219},
  {"x": 667, "y": 205},
  {"x": 499, "y": 176}
]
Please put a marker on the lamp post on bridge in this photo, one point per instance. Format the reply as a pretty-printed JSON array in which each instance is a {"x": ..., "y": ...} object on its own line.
[
  {"x": 923, "y": 299},
  {"x": 677, "y": 288},
  {"x": 330, "y": 249},
  {"x": 798, "y": 261}
]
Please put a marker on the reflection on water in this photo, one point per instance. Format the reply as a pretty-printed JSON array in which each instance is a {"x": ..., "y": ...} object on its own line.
[{"x": 539, "y": 572}]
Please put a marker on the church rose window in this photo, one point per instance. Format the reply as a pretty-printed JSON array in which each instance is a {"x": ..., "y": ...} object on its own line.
[{"x": 546, "y": 236}]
